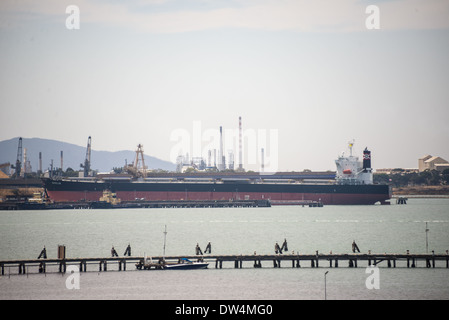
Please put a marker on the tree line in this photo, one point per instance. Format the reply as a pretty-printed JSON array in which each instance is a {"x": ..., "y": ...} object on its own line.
[{"x": 400, "y": 178}]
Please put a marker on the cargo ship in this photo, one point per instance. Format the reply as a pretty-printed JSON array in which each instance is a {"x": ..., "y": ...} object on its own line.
[{"x": 352, "y": 184}]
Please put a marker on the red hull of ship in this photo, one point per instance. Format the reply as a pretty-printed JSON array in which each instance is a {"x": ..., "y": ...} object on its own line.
[{"x": 276, "y": 198}]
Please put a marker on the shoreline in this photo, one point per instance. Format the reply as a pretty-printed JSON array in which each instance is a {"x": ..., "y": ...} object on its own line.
[{"x": 422, "y": 191}]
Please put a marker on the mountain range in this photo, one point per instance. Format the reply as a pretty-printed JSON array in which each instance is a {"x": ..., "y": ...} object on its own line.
[{"x": 73, "y": 155}]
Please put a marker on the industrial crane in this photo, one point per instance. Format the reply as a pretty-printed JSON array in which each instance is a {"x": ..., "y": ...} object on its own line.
[
  {"x": 141, "y": 169},
  {"x": 86, "y": 165},
  {"x": 138, "y": 168},
  {"x": 18, "y": 166}
]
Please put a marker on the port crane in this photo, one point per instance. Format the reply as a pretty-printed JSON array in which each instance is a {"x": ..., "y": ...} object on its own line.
[
  {"x": 18, "y": 166},
  {"x": 86, "y": 165},
  {"x": 138, "y": 168},
  {"x": 141, "y": 169}
]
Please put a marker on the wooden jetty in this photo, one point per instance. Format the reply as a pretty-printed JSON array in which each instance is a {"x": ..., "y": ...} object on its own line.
[
  {"x": 351, "y": 260},
  {"x": 401, "y": 200},
  {"x": 137, "y": 204},
  {"x": 309, "y": 203}
]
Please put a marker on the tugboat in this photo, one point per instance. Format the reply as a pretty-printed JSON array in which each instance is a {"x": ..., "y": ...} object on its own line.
[{"x": 107, "y": 201}]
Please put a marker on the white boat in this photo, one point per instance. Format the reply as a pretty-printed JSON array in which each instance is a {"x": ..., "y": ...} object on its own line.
[{"x": 186, "y": 264}]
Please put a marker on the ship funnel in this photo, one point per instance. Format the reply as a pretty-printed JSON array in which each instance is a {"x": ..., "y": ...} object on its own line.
[{"x": 366, "y": 159}]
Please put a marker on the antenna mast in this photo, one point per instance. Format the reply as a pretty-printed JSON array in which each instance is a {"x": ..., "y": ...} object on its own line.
[{"x": 165, "y": 238}]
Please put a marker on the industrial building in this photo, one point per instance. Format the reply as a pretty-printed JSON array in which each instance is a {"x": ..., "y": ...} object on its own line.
[
  {"x": 185, "y": 163},
  {"x": 429, "y": 162}
]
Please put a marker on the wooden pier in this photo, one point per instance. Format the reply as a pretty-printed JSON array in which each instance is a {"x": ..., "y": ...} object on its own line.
[
  {"x": 137, "y": 204},
  {"x": 317, "y": 260}
]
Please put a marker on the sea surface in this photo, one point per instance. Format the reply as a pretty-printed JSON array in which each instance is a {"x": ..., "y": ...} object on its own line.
[{"x": 92, "y": 233}]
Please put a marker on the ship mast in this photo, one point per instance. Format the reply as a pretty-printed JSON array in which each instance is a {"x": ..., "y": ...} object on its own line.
[
  {"x": 351, "y": 144},
  {"x": 165, "y": 238}
]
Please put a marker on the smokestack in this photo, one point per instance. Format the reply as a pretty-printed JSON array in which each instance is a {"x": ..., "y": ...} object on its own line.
[
  {"x": 24, "y": 163},
  {"x": 231, "y": 160},
  {"x": 262, "y": 167},
  {"x": 215, "y": 158},
  {"x": 40, "y": 162},
  {"x": 221, "y": 154},
  {"x": 209, "y": 158},
  {"x": 240, "y": 145},
  {"x": 62, "y": 160},
  {"x": 366, "y": 160}
]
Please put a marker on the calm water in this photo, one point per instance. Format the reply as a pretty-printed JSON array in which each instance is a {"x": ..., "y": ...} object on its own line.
[{"x": 92, "y": 233}]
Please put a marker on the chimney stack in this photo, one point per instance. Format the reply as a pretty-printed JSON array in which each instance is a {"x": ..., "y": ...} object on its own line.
[
  {"x": 240, "y": 145},
  {"x": 40, "y": 163},
  {"x": 209, "y": 158},
  {"x": 262, "y": 167},
  {"x": 62, "y": 160},
  {"x": 366, "y": 160},
  {"x": 221, "y": 157}
]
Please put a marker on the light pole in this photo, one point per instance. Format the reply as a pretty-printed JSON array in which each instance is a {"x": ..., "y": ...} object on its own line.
[
  {"x": 325, "y": 289},
  {"x": 427, "y": 239}
]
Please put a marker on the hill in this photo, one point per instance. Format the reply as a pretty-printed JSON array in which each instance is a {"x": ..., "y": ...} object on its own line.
[{"x": 74, "y": 155}]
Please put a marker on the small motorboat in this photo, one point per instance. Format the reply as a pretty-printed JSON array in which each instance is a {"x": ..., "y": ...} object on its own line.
[
  {"x": 183, "y": 263},
  {"x": 186, "y": 264}
]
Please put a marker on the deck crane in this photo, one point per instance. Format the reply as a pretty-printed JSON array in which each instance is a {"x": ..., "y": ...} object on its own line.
[
  {"x": 18, "y": 166},
  {"x": 86, "y": 164}
]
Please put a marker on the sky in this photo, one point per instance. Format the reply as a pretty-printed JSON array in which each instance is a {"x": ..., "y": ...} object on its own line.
[{"x": 306, "y": 76}]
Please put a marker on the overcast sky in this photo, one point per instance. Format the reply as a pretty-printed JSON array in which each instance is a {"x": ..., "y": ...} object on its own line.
[{"x": 306, "y": 74}]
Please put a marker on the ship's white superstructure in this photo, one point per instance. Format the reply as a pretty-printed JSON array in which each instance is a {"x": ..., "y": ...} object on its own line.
[{"x": 352, "y": 171}]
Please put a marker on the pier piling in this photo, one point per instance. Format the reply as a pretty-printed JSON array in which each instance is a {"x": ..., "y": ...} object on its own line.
[{"x": 62, "y": 267}]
